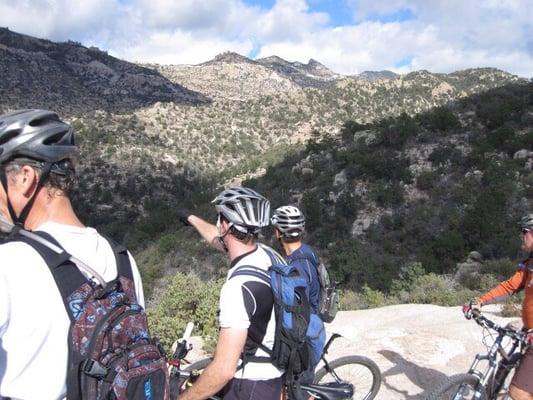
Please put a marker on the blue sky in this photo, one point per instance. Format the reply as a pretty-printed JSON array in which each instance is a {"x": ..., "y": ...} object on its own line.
[{"x": 348, "y": 36}]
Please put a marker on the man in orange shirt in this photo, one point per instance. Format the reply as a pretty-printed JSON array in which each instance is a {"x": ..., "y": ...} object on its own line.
[{"x": 522, "y": 383}]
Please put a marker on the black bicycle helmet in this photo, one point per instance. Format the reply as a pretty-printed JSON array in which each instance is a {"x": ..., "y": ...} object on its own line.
[
  {"x": 246, "y": 209},
  {"x": 35, "y": 134}
]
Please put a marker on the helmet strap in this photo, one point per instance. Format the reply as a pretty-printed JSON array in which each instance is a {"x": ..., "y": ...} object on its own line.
[
  {"x": 3, "y": 179},
  {"x": 21, "y": 219},
  {"x": 220, "y": 237}
]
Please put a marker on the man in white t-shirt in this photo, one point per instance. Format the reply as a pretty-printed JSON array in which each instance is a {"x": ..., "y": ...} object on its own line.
[
  {"x": 247, "y": 322},
  {"x": 36, "y": 173}
]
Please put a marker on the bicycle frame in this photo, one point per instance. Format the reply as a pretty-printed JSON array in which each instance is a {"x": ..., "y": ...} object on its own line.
[
  {"x": 497, "y": 370},
  {"x": 323, "y": 356}
]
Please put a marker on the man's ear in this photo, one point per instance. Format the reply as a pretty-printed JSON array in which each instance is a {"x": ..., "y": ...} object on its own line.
[{"x": 28, "y": 179}]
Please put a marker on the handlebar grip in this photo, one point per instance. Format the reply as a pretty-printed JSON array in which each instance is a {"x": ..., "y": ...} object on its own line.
[{"x": 188, "y": 331}]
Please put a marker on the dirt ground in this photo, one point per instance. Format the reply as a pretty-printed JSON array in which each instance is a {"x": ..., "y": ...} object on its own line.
[{"x": 416, "y": 346}]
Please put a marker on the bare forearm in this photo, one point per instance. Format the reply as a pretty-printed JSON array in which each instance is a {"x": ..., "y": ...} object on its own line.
[
  {"x": 208, "y": 231},
  {"x": 212, "y": 380}
]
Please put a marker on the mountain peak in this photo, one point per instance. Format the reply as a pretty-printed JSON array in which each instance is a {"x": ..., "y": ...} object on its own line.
[
  {"x": 230, "y": 57},
  {"x": 372, "y": 76}
]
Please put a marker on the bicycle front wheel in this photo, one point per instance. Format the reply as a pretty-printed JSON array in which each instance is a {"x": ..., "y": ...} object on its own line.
[
  {"x": 459, "y": 387},
  {"x": 361, "y": 372}
]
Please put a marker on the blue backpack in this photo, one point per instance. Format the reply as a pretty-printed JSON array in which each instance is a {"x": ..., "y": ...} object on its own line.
[{"x": 300, "y": 335}]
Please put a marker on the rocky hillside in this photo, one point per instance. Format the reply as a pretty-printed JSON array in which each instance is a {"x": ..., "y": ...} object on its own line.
[
  {"x": 422, "y": 190},
  {"x": 152, "y": 136},
  {"x": 228, "y": 116},
  {"x": 74, "y": 78}
]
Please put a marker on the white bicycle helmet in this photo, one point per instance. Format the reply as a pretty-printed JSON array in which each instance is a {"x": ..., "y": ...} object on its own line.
[
  {"x": 244, "y": 208},
  {"x": 526, "y": 222},
  {"x": 289, "y": 220}
]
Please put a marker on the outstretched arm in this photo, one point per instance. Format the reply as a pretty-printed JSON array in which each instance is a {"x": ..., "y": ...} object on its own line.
[
  {"x": 208, "y": 231},
  {"x": 506, "y": 288}
]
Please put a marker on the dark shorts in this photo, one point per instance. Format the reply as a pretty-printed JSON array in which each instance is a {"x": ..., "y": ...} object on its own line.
[
  {"x": 523, "y": 377},
  {"x": 244, "y": 389}
]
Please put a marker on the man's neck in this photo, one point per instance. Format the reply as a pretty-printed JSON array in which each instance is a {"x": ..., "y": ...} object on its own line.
[
  {"x": 237, "y": 248},
  {"x": 55, "y": 208},
  {"x": 290, "y": 248}
]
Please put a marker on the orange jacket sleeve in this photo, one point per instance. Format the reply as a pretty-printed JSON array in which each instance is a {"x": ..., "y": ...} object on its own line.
[{"x": 512, "y": 285}]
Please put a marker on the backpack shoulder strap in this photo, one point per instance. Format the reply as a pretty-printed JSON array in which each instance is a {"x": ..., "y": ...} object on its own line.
[
  {"x": 307, "y": 256},
  {"x": 248, "y": 270},
  {"x": 121, "y": 257},
  {"x": 66, "y": 274}
]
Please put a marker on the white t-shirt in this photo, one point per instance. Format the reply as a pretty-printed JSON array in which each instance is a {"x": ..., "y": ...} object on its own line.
[
  {"x": 246, "y": 302},
  {"x": 33, "y": 321}
]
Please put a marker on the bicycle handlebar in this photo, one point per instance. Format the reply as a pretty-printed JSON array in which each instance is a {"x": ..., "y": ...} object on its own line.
[{"x": 481, "y": 320}]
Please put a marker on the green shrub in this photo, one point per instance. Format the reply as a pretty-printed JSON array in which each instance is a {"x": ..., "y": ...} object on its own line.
[
  {"x": 186, "y": 299},
  {"x": 433, "y": 289},
  {"x": 374, "y": 298},
  {"x": 427, "y": 180},
  {"x": 407, "y": 277},
  {"x": 349, "y": 129},
  {"x": 387, "y": 194},
  {"x": 502, "y": 268},
  {"x": 440, "y": 118},
  {"x": 363, "y": 299}
]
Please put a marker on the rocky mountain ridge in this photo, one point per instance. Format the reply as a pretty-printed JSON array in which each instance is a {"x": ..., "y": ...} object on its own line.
[
  {"x": 69, "y": 76},
  {"x": 228, "y": 117}
]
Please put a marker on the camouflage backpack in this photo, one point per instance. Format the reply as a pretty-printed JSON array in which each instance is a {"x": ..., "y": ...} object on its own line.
[{"x": 111, "y": 354}]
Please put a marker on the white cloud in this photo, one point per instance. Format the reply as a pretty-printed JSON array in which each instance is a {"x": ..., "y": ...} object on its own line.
[
  {"x": 61, "y": 19},
  {"x": 179, "y": 48},
  {"x": 288, "y": 21},
  {"x": 438, "y": 35}
]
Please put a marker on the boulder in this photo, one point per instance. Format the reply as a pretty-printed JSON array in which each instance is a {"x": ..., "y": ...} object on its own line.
[
  {"x": 340, "y": 179},
  {"x": 469, "y": 269},
  {"x": 521, "y": 154},
  {"x": 307, "y": 171}
]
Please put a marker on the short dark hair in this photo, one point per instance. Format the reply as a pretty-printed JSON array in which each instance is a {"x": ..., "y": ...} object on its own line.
[
  {"x": 290, "y": 239},
  {"x": 244, "y": 237}
]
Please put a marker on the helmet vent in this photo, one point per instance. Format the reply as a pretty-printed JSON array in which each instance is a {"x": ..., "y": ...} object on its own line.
[
  {"x": 10, "y": 135},
  {"x": 54, "y": 139},
  {"x": 39, "y": 121}
]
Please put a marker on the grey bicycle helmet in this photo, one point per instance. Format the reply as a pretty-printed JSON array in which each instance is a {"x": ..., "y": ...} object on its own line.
[
  {"x": 526, "y": 222},
  {"x": 246, "y": 209},
  {"x": 289, "y": 220},
  {"x": 35, "y": 134}
]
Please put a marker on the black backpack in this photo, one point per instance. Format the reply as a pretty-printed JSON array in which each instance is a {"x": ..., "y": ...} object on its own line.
[{"x": 111, "y": 354}]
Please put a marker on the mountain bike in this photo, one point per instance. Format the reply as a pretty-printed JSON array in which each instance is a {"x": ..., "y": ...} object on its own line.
[
  {"x": 492, "y": 381},
  {"x": 348, "y": 377}
]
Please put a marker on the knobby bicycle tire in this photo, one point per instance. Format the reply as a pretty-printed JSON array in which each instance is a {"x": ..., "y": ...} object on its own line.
[
  {"x": 361, "y": 372},
  {"x": 450, "y": 388}
]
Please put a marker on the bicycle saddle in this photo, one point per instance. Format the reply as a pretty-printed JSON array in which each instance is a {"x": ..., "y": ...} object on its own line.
[{"x": 330, "y": 391}]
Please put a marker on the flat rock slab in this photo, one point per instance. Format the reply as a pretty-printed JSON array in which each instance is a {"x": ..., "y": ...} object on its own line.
[{"x": 415, "y": 345}]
